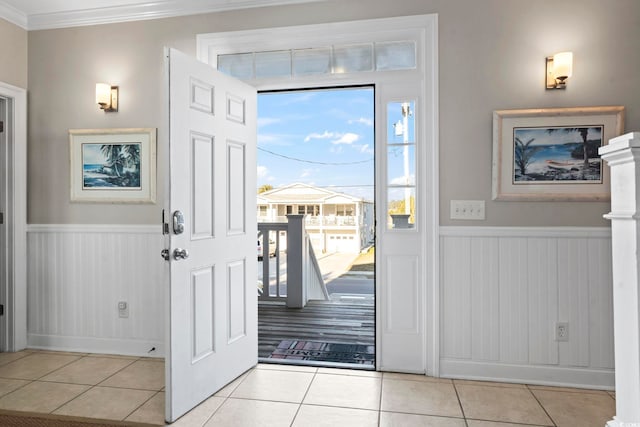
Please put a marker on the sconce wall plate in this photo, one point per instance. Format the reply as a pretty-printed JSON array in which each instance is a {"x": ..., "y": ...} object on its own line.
[{"x": 107, "y": 97}]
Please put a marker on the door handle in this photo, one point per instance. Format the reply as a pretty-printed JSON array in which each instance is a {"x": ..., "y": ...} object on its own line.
[
  {"x": 179, "y": 254},
  {"x": 165, "y": 254}
]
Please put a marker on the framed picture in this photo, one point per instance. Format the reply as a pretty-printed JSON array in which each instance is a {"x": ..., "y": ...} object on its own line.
[
  {"x": 552, "y": 153},
  {"x": 113, "y": 165}
]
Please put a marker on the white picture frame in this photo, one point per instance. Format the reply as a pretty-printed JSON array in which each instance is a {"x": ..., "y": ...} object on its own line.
[
  {"x": 113, "y": 165},
  {"x": 538, "y": 154}
]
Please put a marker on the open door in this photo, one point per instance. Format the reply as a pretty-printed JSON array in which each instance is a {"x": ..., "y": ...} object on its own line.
[{"x": 211, "y": 217}]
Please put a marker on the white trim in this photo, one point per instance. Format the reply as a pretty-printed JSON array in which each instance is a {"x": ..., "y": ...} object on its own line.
[
  {"x": 599, "y": 379},
  {"x": 13, "y": 15},
  {"x": 424, "y": 30},
  {"x": 16, "y": 219},
  {"x": 95, "y": 228},
  {"x": 136, "y": 12},
  {"x": 96, "y": 345},
  {"x": 577, "y": 232}
]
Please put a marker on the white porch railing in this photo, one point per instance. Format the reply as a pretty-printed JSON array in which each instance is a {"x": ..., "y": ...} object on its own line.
[
  {"x": 326, "y": 220},
  {"x": 296, "y": 276}
]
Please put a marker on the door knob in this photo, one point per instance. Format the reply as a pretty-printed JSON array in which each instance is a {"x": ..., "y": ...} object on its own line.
[{"x": 179, "y": 254}]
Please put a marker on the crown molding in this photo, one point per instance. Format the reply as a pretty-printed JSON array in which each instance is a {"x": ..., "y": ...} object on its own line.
[
  {"x": 13, "y": 15},
  {"x": 128, "y": 13}
]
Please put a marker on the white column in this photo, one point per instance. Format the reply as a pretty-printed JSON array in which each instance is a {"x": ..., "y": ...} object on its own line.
[{"x": 623, "y": 156}]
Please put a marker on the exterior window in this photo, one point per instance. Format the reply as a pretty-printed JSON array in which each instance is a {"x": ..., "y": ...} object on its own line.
[
  {"x": 401, "y": 165},
  {"x": 344, "y": 210},
  {"x": 289, "y": 209},
  {"x": 262, "y": 210}
]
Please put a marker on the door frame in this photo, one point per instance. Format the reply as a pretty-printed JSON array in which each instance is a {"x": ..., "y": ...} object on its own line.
[
  {"x": 13, "y": 289},
  {"x": 425, "y": 28}
]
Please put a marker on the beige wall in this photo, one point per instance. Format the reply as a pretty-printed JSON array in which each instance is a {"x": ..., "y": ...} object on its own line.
[
  {"x": 491, "y": 56},
  {"x": 13, "y": 54}
]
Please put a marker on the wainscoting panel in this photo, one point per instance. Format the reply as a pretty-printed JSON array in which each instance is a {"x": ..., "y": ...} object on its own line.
[
  {"x": 504, "y": 289},
  {"x": 77, "y": 275}
]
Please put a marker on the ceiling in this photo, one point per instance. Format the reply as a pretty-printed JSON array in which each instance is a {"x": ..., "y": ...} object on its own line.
[{"x": 44, "y": 14}]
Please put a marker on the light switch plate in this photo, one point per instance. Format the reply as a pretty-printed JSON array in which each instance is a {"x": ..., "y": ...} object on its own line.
[{"x": 468, "y": 210}]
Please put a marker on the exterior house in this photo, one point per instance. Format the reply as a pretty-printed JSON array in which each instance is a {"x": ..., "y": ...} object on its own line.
[
  {"x": 336, "y": 222},
  {"x": 500, "y": 285}
]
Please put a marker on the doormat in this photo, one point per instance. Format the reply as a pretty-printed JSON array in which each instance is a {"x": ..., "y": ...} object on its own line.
[{"x": 324, "y": 352}]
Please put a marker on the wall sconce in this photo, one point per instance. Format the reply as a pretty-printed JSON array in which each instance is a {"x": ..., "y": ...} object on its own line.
[
  {"x": 107, "y": 97},
  {"x": 559, "y": 69}
]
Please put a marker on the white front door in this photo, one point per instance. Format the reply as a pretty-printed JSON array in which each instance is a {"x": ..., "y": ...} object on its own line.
[{"x": 212, "y": 325}]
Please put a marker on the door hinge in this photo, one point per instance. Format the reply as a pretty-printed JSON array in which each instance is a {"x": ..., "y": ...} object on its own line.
[
  {"x": 1, "y": 309},
  {"x": 1, "y": 217},
  {"x": 1, "y": 126}
]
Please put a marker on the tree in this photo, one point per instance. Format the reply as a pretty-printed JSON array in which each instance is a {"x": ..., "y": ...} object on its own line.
[
  {"x": 584, "y": 132},
  {"x": 115, "y": 160},
  {"x": 523, "y": 153},
  {"x": 264, "y": 188}
]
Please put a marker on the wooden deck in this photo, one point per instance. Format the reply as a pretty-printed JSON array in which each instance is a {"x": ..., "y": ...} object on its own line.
[{"x": 335, "y": 322}]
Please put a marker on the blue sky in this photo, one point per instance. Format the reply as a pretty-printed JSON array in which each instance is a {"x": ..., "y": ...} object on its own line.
[
  {"x": 326, "y": 138},
  {"x": 329, "y": 132},
  {"x": 542, "y": 137}
]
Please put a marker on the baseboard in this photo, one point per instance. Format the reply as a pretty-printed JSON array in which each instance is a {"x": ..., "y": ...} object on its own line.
[
  {"x": 140, "y": 348},
  {"x": 598, "y": 379}
]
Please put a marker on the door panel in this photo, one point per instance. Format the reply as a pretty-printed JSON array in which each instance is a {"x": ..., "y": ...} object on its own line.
[{"x": 212, "y": 296}]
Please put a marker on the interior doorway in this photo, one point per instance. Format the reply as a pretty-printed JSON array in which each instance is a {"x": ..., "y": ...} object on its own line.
[{"x": 316, "y": 161}]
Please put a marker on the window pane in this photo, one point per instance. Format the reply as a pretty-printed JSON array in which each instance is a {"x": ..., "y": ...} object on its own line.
[
  {"x": 354, "y": 58},
  {"x": 400, "y": 122},
  {"x": 395, "y": 56},
  {"x": 273, "y": 64},
  {"x": 238, "y": 65},
  {"x": 401, "y": 208},
  {"x": 401, "y": 165},
  {"x": 311, "y": 61}
]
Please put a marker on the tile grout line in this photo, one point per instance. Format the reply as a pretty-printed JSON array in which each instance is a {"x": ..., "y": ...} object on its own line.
[
  {"x": 140, "y": 406},
  {"x": 541, "y": 405},
  {"x": 293, "y": 420},
  {"x": 225, "y": 398},
  {"x": 464, "y": 417},
  {"x": 381, "y": 394}
]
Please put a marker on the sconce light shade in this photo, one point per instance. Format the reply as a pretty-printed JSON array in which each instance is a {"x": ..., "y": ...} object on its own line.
[
  {"x": 107, "y": 97},
  {"x": 559, "y": 69}
]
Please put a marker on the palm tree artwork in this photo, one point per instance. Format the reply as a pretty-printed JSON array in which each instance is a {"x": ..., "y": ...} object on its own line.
[
  {"x": 559, "y": 153},
  {"x": 523, "y": 154},
  {"x": 111, "y": 165}
]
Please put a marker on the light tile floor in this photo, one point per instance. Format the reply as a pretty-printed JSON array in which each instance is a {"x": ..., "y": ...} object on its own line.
[{"x": 131, "y": 389}]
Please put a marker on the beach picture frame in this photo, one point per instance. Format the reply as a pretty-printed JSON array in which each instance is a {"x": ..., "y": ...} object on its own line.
[
  {"x": 551, "y": 154},
  {"x": 113, "y": 165}
]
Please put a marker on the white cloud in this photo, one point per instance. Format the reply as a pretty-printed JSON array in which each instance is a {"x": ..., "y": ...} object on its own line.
[
  {"x": 262, "y": 171},
  {"x": 325, "y": 135},
  {"x": 266, "y": 121},
  {"x": 306, "y": 172},
  {"x": 364, "y": 148},
  {"x": 347, "y": 138},
  {"x": 362, "y": 120},
  {"x": 401, "y": 180}
]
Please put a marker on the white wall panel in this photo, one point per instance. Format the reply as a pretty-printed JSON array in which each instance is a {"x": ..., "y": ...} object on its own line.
[
  {"x": 504, "y": 289},
  {"x": 76, "y": 277},
  {"x": 484, "y": 282}
]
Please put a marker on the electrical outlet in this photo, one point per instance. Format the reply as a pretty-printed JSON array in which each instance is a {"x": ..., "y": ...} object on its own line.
[
  {"x": 123, "y": 309},
  {"x": 467, "y": 209},
  {"x": 562, "y": 331}
]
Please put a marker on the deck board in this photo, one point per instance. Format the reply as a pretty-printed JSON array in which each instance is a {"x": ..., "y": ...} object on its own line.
[{"x": 343, "y": 323}]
